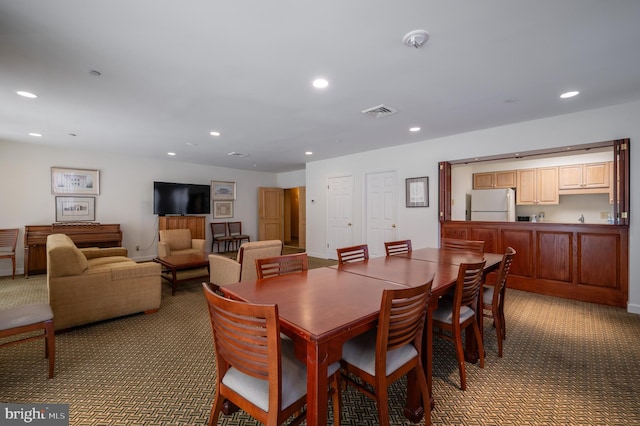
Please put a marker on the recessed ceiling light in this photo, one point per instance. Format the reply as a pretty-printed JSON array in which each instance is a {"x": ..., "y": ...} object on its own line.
[
  {"x": 414, "y": 129},
  {"x": 38, "y": 135},
  {"x": 171, "y": 154},
  {"x": 214, "y": 133},
  {"x": 308, "y": 153},
  {"x": 571, "y": 94},
  {"x": 27, "y": 94},
  {"x": 320, "y": 83}
]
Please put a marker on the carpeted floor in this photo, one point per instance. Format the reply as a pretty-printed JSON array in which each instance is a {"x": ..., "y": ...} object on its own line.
[{"x": 565, "y": 362}]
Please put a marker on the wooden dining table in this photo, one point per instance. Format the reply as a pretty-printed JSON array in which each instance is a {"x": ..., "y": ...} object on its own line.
[{"x": 322, "y": 308}]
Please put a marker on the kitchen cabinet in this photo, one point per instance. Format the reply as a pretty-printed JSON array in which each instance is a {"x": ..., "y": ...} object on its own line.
[
  {"x": 492, "y": 180},
  {"x": 584, "y": 176},
  {"x": 537, "y": 186},
  {"x": 611, "y": 182}
]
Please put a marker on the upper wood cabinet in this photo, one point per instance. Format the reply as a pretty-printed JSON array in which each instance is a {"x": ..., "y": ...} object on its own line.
[
  {"x": 491, "y": 180},
  {"x": 195, "y": 223},
  {"x": 537, "y": 186},
  {"x": 584, "y": 176}
]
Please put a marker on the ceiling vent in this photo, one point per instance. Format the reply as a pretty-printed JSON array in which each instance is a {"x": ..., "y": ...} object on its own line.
[
  {"x": 379, "y": 111},
  {"x": 237, "y": 154}
]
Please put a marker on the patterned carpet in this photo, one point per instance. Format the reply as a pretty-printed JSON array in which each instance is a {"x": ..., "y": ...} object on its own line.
[{"x": 565, "y": 362}]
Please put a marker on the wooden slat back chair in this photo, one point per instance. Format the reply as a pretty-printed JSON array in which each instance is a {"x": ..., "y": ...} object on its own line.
[
  {"x": 280, "y": 265},
  {"x": 256, "y": 370},
  {"x": 381, "y": 356},
  {"x": 462, "y": 245},
  {"x": 350, "y": 254},
  {"x": 235, "y": 232},
  {"x": 493, "y": 298},
  {"x": 455, "y": 314},
  {"x": 219, "y": 235},
  {"x": 8, "y": 241},
  {"x": 397, "y": 247}
]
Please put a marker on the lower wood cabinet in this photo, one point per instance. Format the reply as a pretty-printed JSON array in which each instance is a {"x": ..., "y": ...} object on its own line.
[{"x": 581, "y": 262}]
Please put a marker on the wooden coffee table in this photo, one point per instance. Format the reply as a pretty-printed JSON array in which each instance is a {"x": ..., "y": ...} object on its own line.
[{"x": 181, "y": 262}]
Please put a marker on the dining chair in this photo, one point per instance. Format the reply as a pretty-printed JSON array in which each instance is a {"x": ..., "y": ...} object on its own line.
[
  {"x": 462, "y": 245},
  {"x": 374, "y": 360},
  {"x": 219, "y": 234},
  {"x": 8, "y": 241},
  {"x": 460, "y": 312},
  {"x": 493, "y": 298},
  {"x": 235, "y": 232},
  {"x": 30, "y": 319},
  {"x": 350, "y": 254},
  {"x": 397, "y": 247},
  {"x": 257, "y": 370},
  {"x": 279, "y": 265}
]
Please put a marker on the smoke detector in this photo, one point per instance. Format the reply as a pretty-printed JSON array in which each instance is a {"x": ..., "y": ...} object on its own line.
[{"x": 415, "y": 38}]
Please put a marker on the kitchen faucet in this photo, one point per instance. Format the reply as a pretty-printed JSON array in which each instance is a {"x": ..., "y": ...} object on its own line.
[{"x": 581, "y": 220}]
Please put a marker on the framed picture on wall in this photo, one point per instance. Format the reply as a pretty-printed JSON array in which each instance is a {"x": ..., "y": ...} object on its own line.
[
  {"x": 75, "y": 209},
  {"x": 223, "y": 190},
  {"x": 417, "y": 192},
  {"x": 222, "y": 209},
  {"x": 75, "y": 181}
]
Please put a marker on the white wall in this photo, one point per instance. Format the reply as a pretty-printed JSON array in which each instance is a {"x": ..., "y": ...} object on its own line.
[
  {"x": 126, "y": 192},
  {"x": 421, "y": 159}
]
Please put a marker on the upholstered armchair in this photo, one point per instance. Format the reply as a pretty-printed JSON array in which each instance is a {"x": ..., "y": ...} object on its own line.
[
  {"x": 179, "y": 241},
  {"x": 226, "y": 271}
]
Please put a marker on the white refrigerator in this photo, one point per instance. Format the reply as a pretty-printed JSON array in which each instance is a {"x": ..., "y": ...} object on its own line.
[{"x": 493, "y": 205}]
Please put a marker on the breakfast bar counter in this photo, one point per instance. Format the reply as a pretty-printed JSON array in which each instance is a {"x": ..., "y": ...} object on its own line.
[{"x": 587, "y": 262}]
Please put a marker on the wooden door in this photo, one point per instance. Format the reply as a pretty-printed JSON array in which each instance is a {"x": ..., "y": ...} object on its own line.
[
  {"x": 302, "y": 218},
  {"x": 270, "y": 214}
]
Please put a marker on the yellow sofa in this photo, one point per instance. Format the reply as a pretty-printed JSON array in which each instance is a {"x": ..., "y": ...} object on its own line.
[{"x": 94, "y": 284}]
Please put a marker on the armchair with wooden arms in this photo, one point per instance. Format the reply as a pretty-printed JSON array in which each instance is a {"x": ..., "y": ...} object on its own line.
[
  {"x": 179, "y": 241},
  {"x": 225, "y": 271}
]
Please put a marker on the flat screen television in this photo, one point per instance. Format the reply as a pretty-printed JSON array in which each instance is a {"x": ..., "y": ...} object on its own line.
[{"x": 181, "y": 198}]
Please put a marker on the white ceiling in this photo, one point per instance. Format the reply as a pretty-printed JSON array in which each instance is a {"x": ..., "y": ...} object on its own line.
[{"x": 172, "y": 71}]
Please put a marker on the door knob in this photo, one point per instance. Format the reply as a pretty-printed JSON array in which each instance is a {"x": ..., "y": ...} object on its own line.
[
  {"x": 393, "y": 226},
  {"x": 349, "y": 224}
]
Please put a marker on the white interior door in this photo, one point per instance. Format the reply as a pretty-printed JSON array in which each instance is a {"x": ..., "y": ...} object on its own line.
[
  {"x": 340, "y": 214},
  {"x": 381, "y": 211}
]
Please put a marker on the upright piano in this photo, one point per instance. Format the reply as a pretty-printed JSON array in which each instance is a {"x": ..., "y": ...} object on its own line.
[{"x": 88, "y": 234}]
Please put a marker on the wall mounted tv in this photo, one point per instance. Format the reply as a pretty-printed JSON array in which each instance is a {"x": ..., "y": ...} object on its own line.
[{"x": 181, "y": 198}]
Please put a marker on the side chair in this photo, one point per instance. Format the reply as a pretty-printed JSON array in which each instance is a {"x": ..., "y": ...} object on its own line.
[
  {"x": 460, "y": 312},
  {"x": 493, "y": 298},
  {"x": 384, "y": 354},
  {"x": 235, "y": 232},
  {"x": 28, "y": 319},
  {"x": 350, "y": 254},
  {"x": 463, "y": 245},
  {"x": 219, "y": 235},
  {"x": 286, "y": 264},
  {"x": 397, "y": 247},
  {"x": 8, "y": 241},
  {"x": 256, "y": 369}
]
